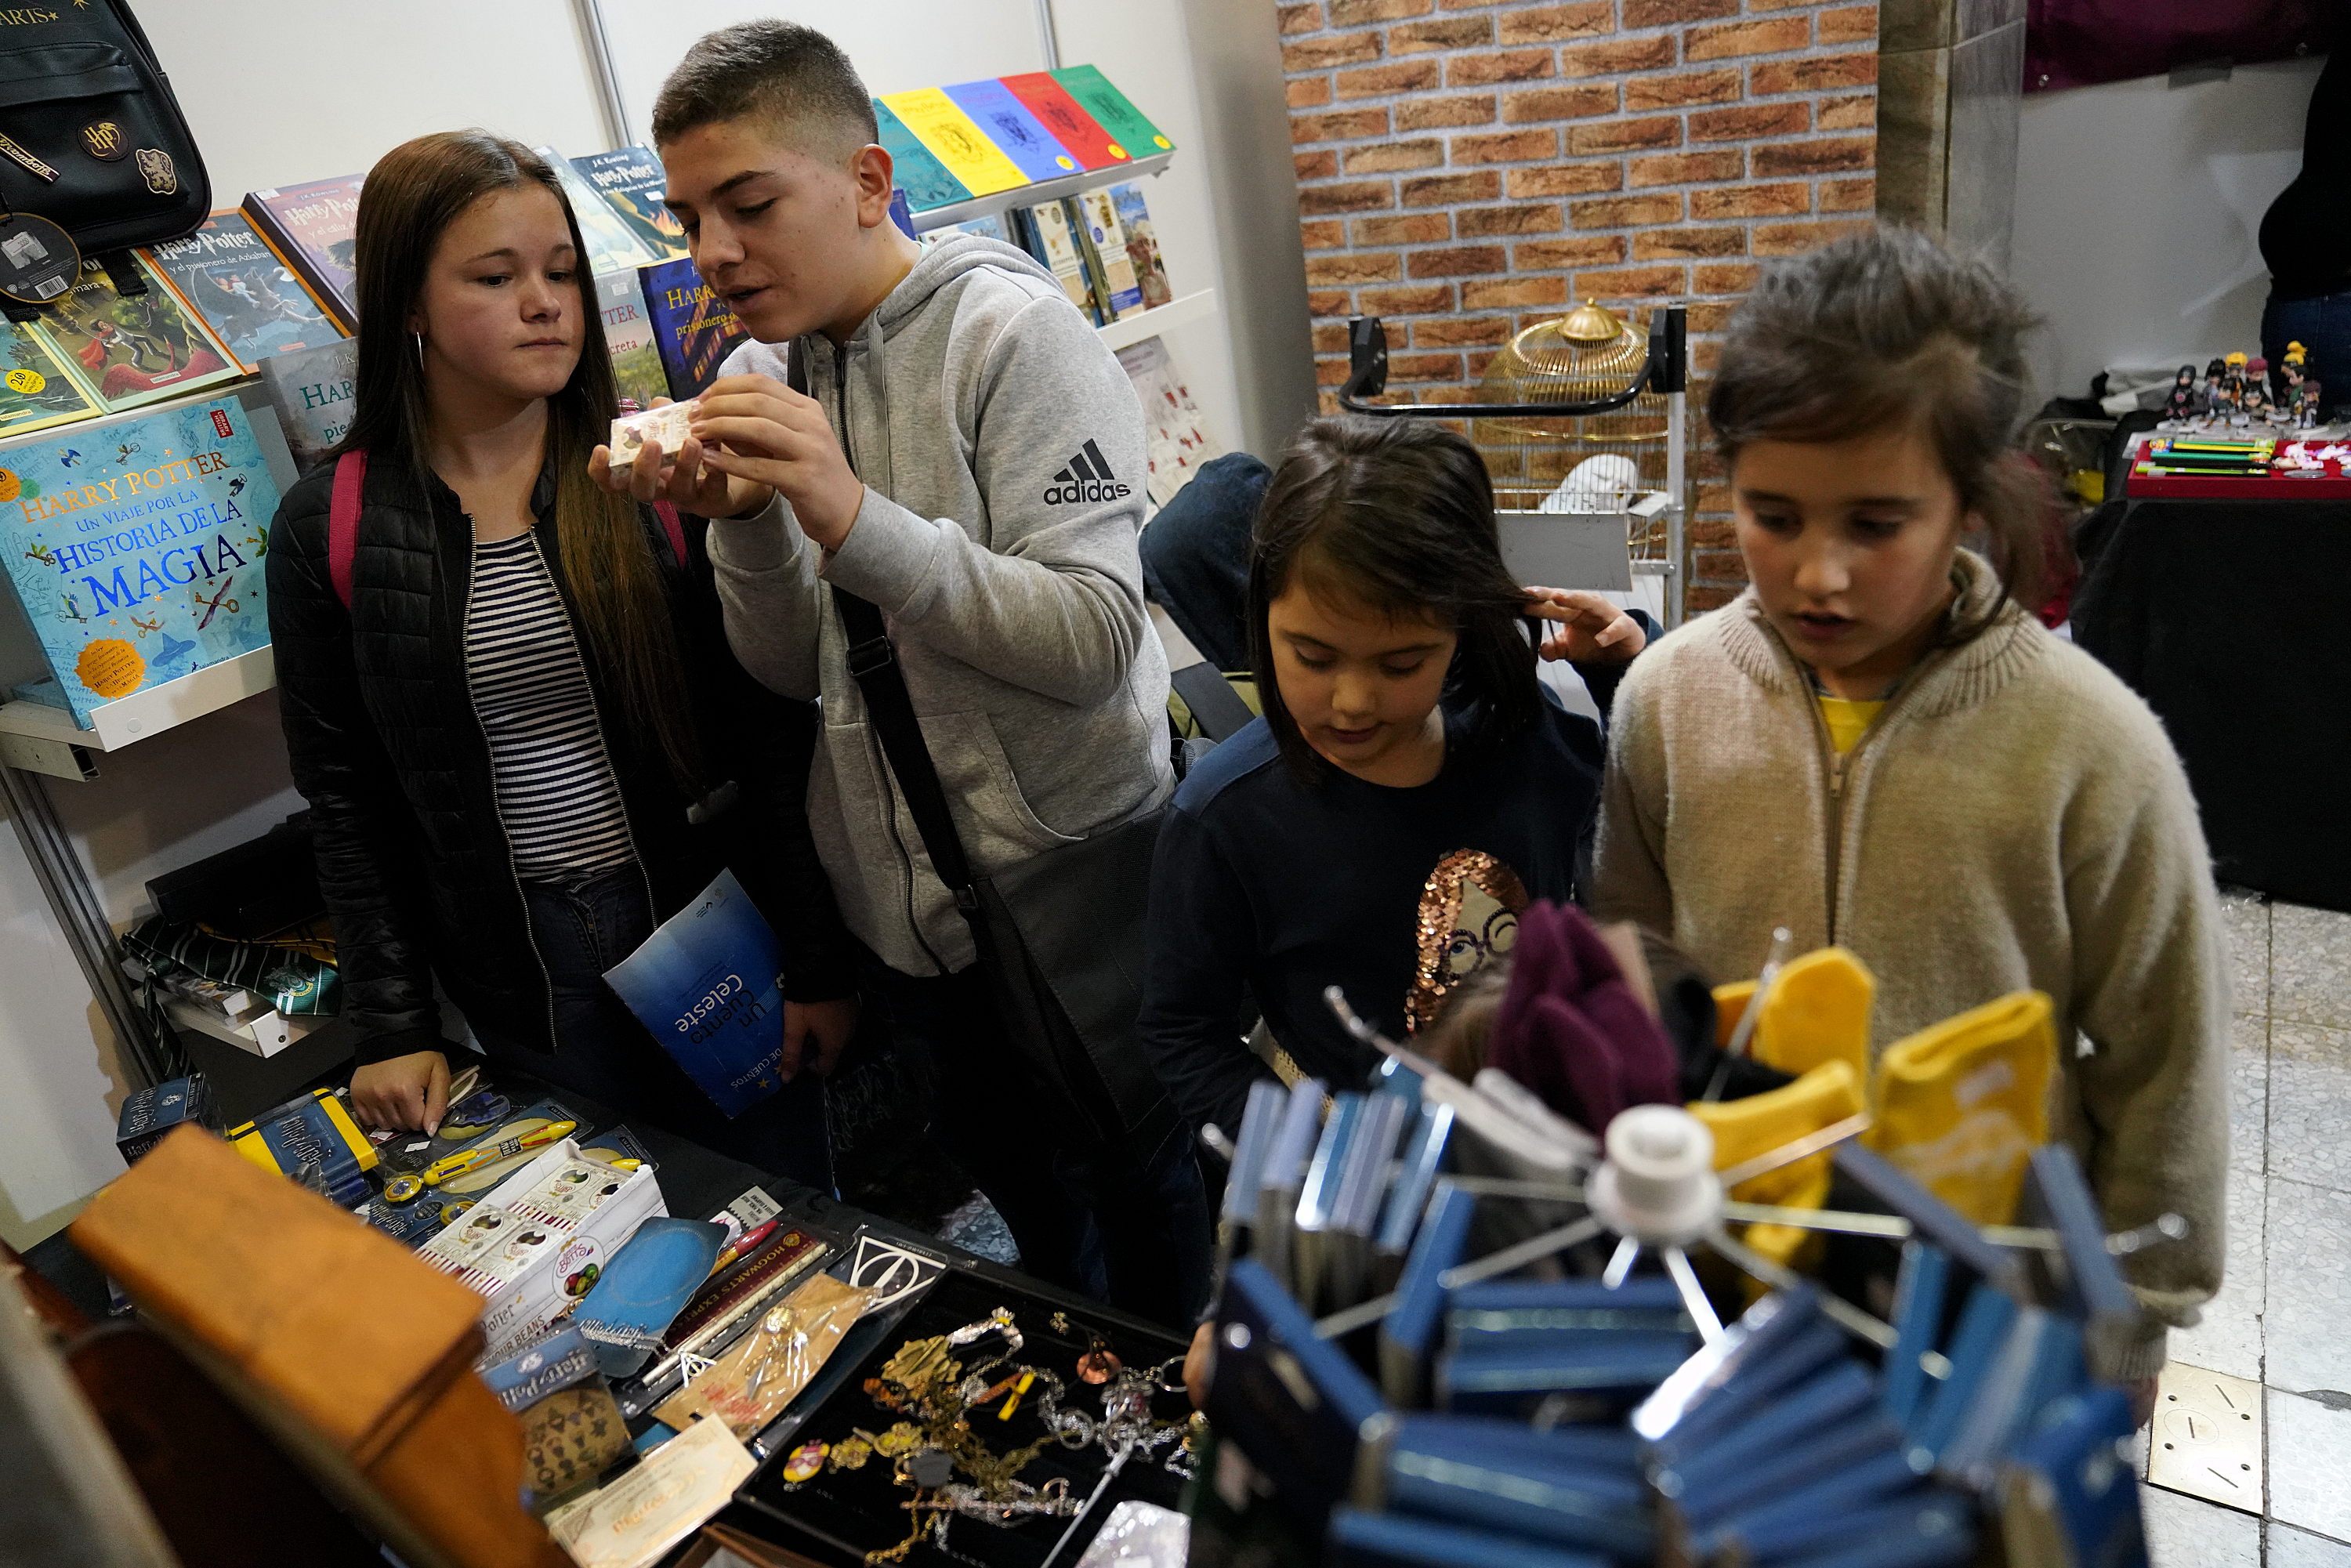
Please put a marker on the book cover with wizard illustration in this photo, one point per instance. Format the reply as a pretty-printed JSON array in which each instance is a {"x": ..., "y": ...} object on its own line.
[
  {"x": 1020, "y": 134},
  {"x": 312, "y": 228},
  {"x": 37, "y": 390},
  {"x": 631, "y": 180},
  {"x": 692, "y": 328},
  {"x": 637, "y": 371},
  {"x": 136, "y": 548},
  {"x": 314, "y": 392},
  {"x": 923, "y": 177},
  {"x": 244, "y": 292},
  {"x": 613, "y": 242},
  {"x": 132, "y": 349}
]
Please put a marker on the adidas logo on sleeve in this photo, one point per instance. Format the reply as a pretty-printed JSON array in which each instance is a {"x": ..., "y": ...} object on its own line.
[{"x": 1085, "y": 477}]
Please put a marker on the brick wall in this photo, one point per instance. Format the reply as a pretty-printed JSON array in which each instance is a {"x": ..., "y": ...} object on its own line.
[{"x": 1467, "y": 167}]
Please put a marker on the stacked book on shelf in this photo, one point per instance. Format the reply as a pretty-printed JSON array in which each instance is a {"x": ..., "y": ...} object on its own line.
[{"x": 1099, "y": 243}]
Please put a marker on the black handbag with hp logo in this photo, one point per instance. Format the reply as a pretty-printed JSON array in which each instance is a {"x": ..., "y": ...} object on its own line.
[{"x": 94, "y": 151}]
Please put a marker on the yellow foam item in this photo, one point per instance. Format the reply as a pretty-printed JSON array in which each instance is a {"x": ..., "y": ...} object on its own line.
[
  {"x": 1818, "y": 1011},
  {"x": 1745, "y": 1129},
  {"x": 1962, "y": 1105}
]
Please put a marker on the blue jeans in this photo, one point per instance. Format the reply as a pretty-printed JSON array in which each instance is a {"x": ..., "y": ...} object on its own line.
[
  {"x": 2321, "y": 325},
  {"x": 1133, "y": 1233},
  {"x": 584, "y": 924},
  {"x": 1196, "y": 556}
]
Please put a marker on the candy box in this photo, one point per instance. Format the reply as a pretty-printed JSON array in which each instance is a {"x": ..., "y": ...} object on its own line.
[
  {"x": 668, "y": 424},
  {"x": 538, "y": 1240}
]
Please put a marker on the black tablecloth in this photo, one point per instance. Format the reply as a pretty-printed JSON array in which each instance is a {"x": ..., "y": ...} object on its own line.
[{"x": 2228, "y": 618}]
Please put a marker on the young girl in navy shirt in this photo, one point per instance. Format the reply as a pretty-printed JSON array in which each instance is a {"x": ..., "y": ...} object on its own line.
[{"x": 1409, "y": 787}]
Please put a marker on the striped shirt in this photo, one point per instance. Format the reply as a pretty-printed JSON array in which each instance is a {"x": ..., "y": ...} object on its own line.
[{"x": 557, "y": 795}]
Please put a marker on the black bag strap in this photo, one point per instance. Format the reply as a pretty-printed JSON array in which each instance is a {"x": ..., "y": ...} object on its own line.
[
  {"x": 890, "y": 709},
  {"x": 123, "y": 273}
]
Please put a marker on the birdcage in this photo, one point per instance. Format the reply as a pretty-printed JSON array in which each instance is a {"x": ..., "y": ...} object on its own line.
[{"x": 1582, "y": 423}]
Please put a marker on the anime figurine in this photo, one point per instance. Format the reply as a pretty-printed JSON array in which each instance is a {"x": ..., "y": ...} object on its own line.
[
  {"x": 2207, "y": 391},
  {"x": 2306, "y": 418},
  {"x": 2181, "y": 406},
  {"x": 2257, "y": 390}
]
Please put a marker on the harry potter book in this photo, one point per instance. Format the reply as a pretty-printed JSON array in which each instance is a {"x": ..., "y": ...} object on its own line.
[
  {"x": 693, "y": 330},
  {"x": 631, "y": 182},
  {"x": 312, "y": 228},
  {"x": 637, "y": 371},
  {"x": 37, "y": 390},
  {"x": 314, "y": 392},
  {"x": 136, "y": 546},
  {"x": 132, "y": 349},
  {"x": 613, "y": 242},
  {"x": 245, "y": 294}
]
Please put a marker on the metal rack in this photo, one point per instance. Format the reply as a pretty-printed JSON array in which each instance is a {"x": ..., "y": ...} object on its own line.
[{"x": 1611, "y": 533}]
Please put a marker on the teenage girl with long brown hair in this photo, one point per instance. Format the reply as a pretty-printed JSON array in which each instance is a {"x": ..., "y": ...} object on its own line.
[{"x": 523, "y": 738}]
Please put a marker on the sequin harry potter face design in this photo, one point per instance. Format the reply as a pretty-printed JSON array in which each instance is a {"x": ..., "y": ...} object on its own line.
[{"x": 1468, "y": 917}]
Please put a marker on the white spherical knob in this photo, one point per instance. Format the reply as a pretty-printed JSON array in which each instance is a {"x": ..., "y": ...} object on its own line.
[{"x": 1657, "y": 1183}]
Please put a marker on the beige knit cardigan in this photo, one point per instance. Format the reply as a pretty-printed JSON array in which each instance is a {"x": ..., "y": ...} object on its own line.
[{"x": 2015, "y": 818}]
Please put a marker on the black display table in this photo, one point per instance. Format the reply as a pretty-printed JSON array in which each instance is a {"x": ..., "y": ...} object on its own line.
[
  {"x": 694, "y": 1182},
  {"x": 834, "y": 1525},
  {"x": 2226, "y": 617}
]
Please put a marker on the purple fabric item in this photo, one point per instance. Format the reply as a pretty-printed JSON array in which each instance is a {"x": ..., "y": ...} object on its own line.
[
  {"x": 1572, "y": 1030},
  {"x": 2075, "y": 43}
]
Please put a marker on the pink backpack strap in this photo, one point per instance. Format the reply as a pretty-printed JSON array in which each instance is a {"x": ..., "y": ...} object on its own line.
[
  {"x": 674, "y": 528},
  {"x": 343, "y": 522}
]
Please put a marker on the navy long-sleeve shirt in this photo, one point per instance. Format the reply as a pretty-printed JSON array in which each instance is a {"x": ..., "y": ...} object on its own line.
[{"x": 1267, "y": 882}]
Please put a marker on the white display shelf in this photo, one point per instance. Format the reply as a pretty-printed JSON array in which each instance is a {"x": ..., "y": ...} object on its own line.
[
  {"x": 1180, "y": 311},
  {"x": 1042, "y": 191},
  {"x": 115, "y": 725}
]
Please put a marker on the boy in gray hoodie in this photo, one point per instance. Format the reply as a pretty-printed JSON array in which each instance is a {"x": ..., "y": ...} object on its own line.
[{"x": 969, "y": 457}]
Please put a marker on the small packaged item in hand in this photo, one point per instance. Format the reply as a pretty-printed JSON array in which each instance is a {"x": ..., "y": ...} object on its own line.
[{"x": 666, "y": 425}]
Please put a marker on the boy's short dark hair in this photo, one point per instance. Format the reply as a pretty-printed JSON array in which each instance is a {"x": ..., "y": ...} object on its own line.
[{"x": 790, "y": 75}]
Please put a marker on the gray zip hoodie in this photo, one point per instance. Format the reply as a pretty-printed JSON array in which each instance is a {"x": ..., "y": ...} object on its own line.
[{"x": 1002, "y": 450}]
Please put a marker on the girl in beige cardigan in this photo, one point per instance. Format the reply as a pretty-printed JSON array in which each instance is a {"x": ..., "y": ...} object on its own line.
[{"x": 1876, "y": 746}]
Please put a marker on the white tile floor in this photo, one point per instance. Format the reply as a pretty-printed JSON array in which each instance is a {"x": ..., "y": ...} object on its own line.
[{"x": 2283, "y": 1316}]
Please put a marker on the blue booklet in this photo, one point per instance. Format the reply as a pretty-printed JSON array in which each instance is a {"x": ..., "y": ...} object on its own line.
[{"x": 709, "y": 985}]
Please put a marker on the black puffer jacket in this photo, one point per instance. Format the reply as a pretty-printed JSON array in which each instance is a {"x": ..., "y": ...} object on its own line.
[{"x": 386, "y": 747}]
